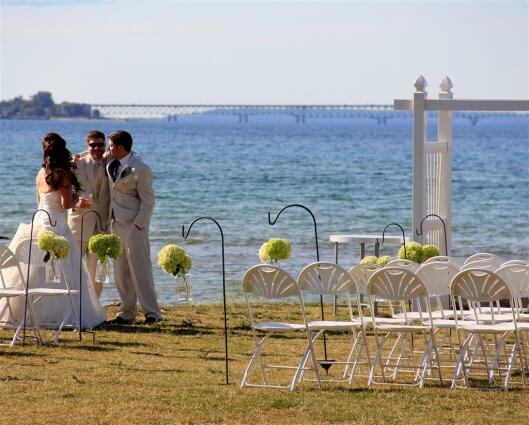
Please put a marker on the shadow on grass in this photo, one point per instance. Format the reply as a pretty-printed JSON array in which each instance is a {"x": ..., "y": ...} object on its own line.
[
  {"x": 96, "y": 348},
  {"x": 213, "y": 358},
  {"x": 17, "y": 378},
  {"x": 19, "y": 354},
  {"x": 146, "y": 353},
  {"x": 122, "y": 344},
  {"x": 165, "y": 329},
  {"x": 138, "y": 369}
]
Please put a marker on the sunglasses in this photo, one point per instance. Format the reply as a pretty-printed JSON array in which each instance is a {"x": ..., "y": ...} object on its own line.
[{"x": 96, "y": 145}]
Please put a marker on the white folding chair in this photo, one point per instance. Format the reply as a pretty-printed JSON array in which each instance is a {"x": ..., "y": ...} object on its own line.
[
  {"x": 515, "y": 262},
  {"x": 39, "y": 293},
  {"x": 404, "y": 264},
  {"x": 12, "y": 288},
  {"x": 361, "y": 274},
  {"x": 478, "y": 286},
  {"x": 436, "y": 277},
  {"x": 273, "y": 283},
  {"x": 485, "y": 256},
  {"x": 323, "y": 279},
  {"x": 403, "y": 286},
  {"x": 517, "y": 277},
  {"x": 482, "y": 264},
  {"x": 443, "y": 259},
  {"x": 491, "y": 264}
]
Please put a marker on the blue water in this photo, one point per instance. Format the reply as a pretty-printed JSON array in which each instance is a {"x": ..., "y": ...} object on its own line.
[{"x": 355, "y": 175}]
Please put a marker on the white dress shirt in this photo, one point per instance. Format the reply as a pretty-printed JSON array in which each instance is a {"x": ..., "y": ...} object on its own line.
[{"x": 122, "y": 163}]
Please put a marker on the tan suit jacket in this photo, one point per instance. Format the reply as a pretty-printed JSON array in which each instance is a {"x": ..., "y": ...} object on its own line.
[
  {"x": 100, "y": 202},
  {"x": 131, "y": 194},
  {"x": 131, "y": 205}
]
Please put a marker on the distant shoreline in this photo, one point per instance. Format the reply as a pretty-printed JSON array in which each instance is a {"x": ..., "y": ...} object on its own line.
[
  {"x": 27, "y": 118},
  {"x": 41, "y": 106}
]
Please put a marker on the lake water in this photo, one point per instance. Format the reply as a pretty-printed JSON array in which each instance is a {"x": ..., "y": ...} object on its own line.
[{"x": 353, "y": 174}]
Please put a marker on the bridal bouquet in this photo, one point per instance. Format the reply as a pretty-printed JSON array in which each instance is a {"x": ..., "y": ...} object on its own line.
[
  {"x": 174, "y": 260},
  {"x": 56, "y": 248},
  {"x": 274, "y": 250},
  {"x": 105, "y": 246}
]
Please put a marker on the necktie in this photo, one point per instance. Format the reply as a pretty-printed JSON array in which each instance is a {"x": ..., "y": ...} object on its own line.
[
  {"x": 98, "y": 175},
  {"x": 115, "y": 168}
]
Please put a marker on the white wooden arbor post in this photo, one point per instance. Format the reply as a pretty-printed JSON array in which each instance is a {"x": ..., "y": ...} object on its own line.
[{"x": 432, "y": 161}]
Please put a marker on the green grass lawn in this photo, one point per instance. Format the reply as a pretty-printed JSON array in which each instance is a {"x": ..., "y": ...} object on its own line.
[{"x": 173, "y": 372}]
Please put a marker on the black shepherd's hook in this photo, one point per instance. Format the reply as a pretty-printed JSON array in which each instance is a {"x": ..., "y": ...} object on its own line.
[
  {"x": 271, "y": 223},
  {"x": 103, "y": 229},
  {"x": 419, "y": 232},
  {"x": 185, "y": 236},
  {"x": 51, "y": 224},
  {"x": 403, "y": 237}
]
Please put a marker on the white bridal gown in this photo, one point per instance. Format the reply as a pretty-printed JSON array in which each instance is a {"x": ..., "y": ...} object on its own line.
[{"x": 50, "y": 310}]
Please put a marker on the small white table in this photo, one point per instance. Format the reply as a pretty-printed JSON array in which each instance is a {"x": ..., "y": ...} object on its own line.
[{"x": 362, "y": 240}]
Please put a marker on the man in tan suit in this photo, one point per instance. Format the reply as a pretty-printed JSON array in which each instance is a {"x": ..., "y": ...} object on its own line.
[
  {"x": 131, "y": 206},
  {"x": 94, "y": 195}
]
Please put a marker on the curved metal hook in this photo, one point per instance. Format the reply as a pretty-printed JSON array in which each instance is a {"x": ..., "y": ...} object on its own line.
[
  {"x": 185, "y": 235},
  {"x": 403, "y": 237},
  {"x": 420, "y": 232},
  {"x": 270, "y": 222},
  {"x": 104, "y": 229},
  {"x": 52, "y": 224},
  {"x": 101, "y": 227}
]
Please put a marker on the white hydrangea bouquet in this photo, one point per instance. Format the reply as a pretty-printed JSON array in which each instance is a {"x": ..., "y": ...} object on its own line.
[
  {"x": 274, "y": 250},
  {"x": 417, "y": 252},
  {"x": 56, "y": 248},
  {"x": 105, "y": 246},
  {"x": 381, "y": 261},
  {"x": 414, "y": 252},
  {"x": 174, "y": 260}
]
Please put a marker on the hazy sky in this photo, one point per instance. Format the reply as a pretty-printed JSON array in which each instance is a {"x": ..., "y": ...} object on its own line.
[{"x": 160, "y": 51}]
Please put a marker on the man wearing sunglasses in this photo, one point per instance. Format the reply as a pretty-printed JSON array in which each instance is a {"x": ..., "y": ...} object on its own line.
[{"x": 94, "y": 195}]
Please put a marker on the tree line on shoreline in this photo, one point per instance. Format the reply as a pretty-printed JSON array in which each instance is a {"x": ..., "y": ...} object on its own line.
[{"x": 42, "y": 105}]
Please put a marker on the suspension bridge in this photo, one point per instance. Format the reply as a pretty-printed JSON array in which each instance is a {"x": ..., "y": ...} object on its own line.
[{"x": 300, "y": 113}]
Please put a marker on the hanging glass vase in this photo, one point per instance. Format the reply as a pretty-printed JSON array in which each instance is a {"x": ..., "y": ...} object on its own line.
[
  {"x": 184, "y": 289},
  {"x": 52, "y": 270},
  {"x": 103, "y": 271}
]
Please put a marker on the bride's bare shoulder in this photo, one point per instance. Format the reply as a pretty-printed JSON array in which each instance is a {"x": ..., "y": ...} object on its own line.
[
  {"x": 40, "y": 181},
  {"x": 40, "y": 177}
]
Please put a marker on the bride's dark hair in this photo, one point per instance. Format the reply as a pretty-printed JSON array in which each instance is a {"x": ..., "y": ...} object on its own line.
[{"x": 57, "y": 162}]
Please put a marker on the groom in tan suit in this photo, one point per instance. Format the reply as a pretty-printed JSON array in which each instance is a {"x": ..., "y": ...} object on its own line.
[
  {"x": 94, "y": 195},
  {"x": 131, "y": 206}
]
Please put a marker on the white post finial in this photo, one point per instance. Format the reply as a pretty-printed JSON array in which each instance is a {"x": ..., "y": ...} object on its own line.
[
  {"x": 446, "y": 85},
  {"x": 420, "y": 84}
]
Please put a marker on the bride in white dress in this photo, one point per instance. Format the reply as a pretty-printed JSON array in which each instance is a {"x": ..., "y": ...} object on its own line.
[{"x": 55, "y": 183}]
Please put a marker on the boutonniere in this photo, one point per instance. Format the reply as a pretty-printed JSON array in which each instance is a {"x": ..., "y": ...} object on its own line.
[{"x": 126, "y": 171}]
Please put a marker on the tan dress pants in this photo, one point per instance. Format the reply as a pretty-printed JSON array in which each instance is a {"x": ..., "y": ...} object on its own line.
[{"x": 133, "y": 272}]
